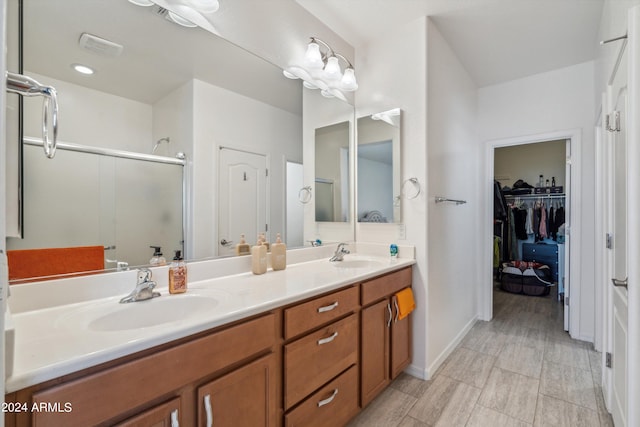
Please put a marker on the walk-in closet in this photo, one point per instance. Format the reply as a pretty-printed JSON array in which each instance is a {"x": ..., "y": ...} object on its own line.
[{"x": 530, "y": 219}]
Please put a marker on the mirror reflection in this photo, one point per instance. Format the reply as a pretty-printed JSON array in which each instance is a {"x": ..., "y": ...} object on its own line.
[
  {"x": 153, "y": 96},
  {"x": 332, "y": 172},
  {"x": 378, "y": 165}
]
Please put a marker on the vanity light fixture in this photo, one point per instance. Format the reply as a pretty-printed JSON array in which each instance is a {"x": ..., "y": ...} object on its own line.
[
  {"x": 390, "y": 116},
  {"x": 187, "y": 13},
  {"x": 82, "y": 69},
  {"x": 320, "y": 69}
]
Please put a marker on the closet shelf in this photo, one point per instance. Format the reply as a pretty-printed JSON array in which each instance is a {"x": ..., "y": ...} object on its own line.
[{"x": 535, "y": 196}]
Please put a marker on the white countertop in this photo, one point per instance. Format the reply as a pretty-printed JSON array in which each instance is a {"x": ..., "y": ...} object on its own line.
[{"x": 51, "y": 341}]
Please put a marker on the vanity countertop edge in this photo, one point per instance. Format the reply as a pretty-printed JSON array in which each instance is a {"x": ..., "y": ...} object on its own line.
[{"x": 46, "y": 348}]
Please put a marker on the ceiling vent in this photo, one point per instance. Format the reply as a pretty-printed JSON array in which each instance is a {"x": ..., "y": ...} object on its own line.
[{"x": 99, "y": 45}]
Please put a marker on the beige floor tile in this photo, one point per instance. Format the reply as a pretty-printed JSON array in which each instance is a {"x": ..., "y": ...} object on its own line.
[
  {"x": 522, "y": 359},
  {"x": 459, "y": 407},
  {"x": 469, "y": 366},
  {"x": 595, "y": 360},
  {"x": 485, "y": 417},
  {"x": 484, "y": 339},
  {"x": 567, "y": 353},
  {"x": 429, "y": 407},
  {"x": 412, "y": 422},
  {"x": 512, "y": 394},
  {"x": 568, "y": 383},
  {"x": 530, "y": 337},
  {"x": 605, "y": 416},
  {"x": 411, "y": 385},
  {"x": 553, "y": 412},
  {"x": 386, "y": 410}
]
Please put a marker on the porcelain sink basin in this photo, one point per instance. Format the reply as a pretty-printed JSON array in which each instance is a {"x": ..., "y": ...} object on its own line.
[
  {"x": 357, "y": 263},
  {"x": 141, "y": 314}
]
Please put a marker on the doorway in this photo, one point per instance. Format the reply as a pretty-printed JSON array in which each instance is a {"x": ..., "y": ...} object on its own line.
[
  {"x": 242, "y": 202},
  {"x": 571, "y": 190},
  {"x": 530, "y": 211}
]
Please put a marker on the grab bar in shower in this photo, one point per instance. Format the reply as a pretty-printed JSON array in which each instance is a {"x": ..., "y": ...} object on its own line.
[{"x": 27, "y": 86}]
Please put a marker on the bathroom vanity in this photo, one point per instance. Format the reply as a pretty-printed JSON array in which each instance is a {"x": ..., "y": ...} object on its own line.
[{"x": 310, "y": 345}]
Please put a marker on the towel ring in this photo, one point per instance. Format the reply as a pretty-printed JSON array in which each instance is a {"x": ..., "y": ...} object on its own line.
[
  {"x": 304, "y": 195},
  {"x": 416, "y": 188}
]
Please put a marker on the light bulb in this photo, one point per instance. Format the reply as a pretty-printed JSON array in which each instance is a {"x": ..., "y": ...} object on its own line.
[
  {"x": 326, "y": 94},
  {"x": 332, "y": 69},
  {"x": 205, "y": 6},
  {"x": 174, "y": 17},
  {"x": 312, "y": 57},
  {"x": 288, "y": 74},
  {"x": 309, "y": 85},
  {"x": 349, "y": 82}
]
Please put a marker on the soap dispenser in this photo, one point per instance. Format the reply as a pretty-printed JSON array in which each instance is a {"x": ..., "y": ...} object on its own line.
[
  {"x": 263, "y": 239},
  {"x": 259, "y": 258},
  {"x": 243, "y": 248},
  {"x": 178, "y": 274},
  {"x": 157, "y": 258},
  {"x": 278, "y": 254}
]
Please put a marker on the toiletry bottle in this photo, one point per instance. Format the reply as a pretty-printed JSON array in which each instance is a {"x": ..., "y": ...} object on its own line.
[
  {"x": 178, "y": 275},
  {"x": 157, "y": 258},
  {"x": 278, "y": 254},
  {"x": 540, "y": 182},
  {"x": 243, "y": 248},
  {"x": 553, "y": 181},
  {"x": 263, "y": 239},
  {"x": 259, "y": 258},
  {"x": 546, "y": 184},
  {"x": 393, "y": 251}
]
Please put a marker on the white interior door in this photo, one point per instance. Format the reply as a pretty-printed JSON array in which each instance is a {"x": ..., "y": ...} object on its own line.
[
  {"x": 242, "y": 202},
  {"x": 618, "y": 310}
]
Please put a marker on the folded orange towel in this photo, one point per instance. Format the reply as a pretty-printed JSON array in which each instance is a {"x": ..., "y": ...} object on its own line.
[
  {"x": 32, "y": 263},
  {"x": 405, "y": 303}
]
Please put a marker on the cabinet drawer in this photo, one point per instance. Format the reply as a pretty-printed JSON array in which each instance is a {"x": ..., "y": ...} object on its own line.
[
  {"x": 163, "y": 415},
  {"x": 101, "y": 396},
  {"x": 311, "y": 361},
  {"x": 332, "y": 405},
  {"x": 386, "y": 285},
  {"x": 306, "y": 316}
]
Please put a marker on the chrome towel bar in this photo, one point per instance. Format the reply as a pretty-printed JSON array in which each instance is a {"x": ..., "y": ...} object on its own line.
[{"x": 444, "y": 199}]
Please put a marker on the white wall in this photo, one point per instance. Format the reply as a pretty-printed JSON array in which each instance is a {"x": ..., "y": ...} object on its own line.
[
  {"x": 381, "y": 89},
  {"x": 94, "y": 118},
  {"x": 453, "y": 234},
  {"x": 224, "y": 118},
  {"x": 550, "y": 102}
]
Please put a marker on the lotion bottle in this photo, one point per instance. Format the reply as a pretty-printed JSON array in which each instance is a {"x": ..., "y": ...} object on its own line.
[
  {"x": 278, "y": 254},
  {"x": 178, "y": 275},
  {"x": 259, "y": 258},
  {"x": 157, "y": 258},
  {"x": 243, "y": 248}
]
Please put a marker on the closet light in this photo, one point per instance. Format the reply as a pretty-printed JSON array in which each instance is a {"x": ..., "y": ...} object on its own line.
[{"x": 320, "y": 69}]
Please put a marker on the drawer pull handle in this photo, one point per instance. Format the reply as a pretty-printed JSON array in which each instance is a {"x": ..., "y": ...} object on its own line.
[
  {"x": 207, "y": 407},
  {"x": 328, "y": 307},
  {"x": 390, "y": 315},
  {"x": 328, "y": 339},
  {"x": 174, "y": 419},
  {"x": 328, "y": 399}
]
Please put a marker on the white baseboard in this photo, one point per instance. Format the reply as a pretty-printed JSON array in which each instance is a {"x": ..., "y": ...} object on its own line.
[{"x": 449, "y": 349}]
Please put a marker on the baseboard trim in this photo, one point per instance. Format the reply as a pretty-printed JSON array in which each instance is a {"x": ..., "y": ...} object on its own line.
[{"x": 431, "y": 369}]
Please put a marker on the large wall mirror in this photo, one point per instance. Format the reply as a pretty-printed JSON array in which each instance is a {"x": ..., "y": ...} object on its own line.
[
  {"x": 378, "y": 157},
  {"x": 150, "y": 95}
]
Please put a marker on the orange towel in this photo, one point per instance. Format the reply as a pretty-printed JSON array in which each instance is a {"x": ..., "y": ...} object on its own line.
[
  {"x": 31, "y": 263},
  {"x": 405, "y": 303}
]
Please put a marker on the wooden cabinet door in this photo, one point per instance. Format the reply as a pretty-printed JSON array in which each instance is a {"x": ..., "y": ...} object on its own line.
[
  {"x": 245, "y": 397},
  {"x": 164, "y": 415},
  {"x": 374, "y": 362},
  {"x": 400, "y": 341}
]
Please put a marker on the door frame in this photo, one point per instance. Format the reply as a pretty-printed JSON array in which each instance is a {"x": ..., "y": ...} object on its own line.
[{"x": 573, "y": 193}]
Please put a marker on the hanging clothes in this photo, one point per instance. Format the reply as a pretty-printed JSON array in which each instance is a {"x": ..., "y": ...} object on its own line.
[
  {"x": 543, "y": 222},
  {"x": 513, "y": 242},
  {"x": 528, "y": 225},
  {"x": 520, "y": 218}
]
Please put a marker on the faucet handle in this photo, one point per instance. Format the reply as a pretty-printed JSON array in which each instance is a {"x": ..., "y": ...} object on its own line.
[{"x": 144, "y": 275}]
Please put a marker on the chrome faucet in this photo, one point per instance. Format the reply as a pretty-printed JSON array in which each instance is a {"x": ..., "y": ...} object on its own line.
[
  {"x": 144, "y": 288},
  {"x": 340, "y": 252}
]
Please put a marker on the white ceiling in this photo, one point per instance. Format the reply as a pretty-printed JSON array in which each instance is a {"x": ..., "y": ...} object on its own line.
[{"x": 496, "y": 40}]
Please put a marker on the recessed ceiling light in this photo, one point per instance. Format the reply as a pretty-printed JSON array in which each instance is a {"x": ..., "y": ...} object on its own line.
[{"x": 82, "y": 69}]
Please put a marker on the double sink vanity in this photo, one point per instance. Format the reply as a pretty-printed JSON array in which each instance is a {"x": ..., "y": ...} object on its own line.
[{"x": 309, "y": 345}]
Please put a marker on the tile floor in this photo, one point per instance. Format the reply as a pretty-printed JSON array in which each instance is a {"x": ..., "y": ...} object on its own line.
[{"x": 520, "y": 369}]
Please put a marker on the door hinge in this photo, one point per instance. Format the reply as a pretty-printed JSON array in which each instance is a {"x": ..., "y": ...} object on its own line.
[
  {"x": 609, "y": 241},
  {"x": 613, "y": 122},
  {"x": 608, "y": 360},
  {"x": 266, "y": 227},
  {"x": 566, "y": 301},
  {"x": 266, "y": 172}
]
